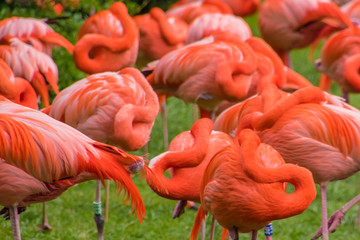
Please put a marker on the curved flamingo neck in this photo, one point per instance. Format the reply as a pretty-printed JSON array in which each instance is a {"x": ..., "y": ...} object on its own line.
[
  {"x": 166, "y": 29},
  {"x": 134, "y": 123},
  {"x": 90, "y": 41},
  {"x": 201, "y": 132},
  {"x": 351, "y": 72},
  {"x": 301, "y": 178}
]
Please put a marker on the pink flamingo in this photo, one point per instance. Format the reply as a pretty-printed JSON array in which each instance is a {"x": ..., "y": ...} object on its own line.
[
  {"x": 35, "y": 66},
  {"x": 34, "y": 32},
  {"x": 107, "y": 41},
  {"x": 42, "y": 157}
]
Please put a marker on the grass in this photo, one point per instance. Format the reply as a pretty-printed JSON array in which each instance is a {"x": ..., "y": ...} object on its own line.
[{"x": 71, "y": 215}]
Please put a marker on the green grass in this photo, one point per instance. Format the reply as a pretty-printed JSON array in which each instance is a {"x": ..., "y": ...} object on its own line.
[{"x": 71, "y": 215}]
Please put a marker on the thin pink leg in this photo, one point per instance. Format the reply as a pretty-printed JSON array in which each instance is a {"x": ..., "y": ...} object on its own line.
[
  {"x": 164, "y": 122},
  {"x": 212, "y": 232},
  {"x": 15, "y": 221},
  {"x": 325, "y": 230}
]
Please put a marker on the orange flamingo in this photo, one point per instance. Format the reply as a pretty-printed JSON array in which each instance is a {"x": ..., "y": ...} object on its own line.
[
  {"x": 248, "y": 178},
  {"x": 339, "y": 61},
  {"x": 117, "y": 108},
  {"x": 217, "y": 23},
  {"x": 243, "y": 8},
  {"x": 187, "y": 157},
  {"x": 34, "y": 32},
  {"x": 206, "y": 72},
  {"x": 188, "y": 10},
  {"x": 287, "y": 24},
  {"x": 107, "y": 41},
  {"x": 42, "y": 157},
  {"x": 159, "y": 34},
  {"x": 309, "y": 128},
  {"x": 35, "y": 66},
  {"x": 16, "y": 89}
]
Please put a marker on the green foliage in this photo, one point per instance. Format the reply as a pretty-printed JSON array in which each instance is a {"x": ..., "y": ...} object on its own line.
[{"x": 71, "y": 215}]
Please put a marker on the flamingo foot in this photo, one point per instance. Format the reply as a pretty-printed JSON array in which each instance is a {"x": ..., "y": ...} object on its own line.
[
  {"x": 45, "y": 226},
  {"x": 179, "y": 209},
  {"x": 334, "y": 221}
]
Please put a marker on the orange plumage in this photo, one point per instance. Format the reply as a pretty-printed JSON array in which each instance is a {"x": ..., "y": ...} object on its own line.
[{"x": 107, "y": 41}]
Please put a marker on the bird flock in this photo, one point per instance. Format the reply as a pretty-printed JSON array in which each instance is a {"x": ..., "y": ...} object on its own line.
[{"x": 262, "y": 125}]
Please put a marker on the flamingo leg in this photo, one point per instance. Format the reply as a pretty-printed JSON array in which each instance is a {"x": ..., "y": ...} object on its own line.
[
  {"x": 195, "y": 112},
  {"x": 268, "y": 231},
  {"x": 45, "y": 223},
  {"x": 253, "y": 235},
  {"x": 179, "y": 209},
  {"x": 164, "y": 121},
  {"x": 15, "y": 221},
  {"x": 345, "y": 95},
  {"x": 99, "y": 219},
  {"x": 203, "y": 230},
  {"x": 233, "y": 233},
  {"x": 212, "y": 231},
  {"x": 325, "y": 230},
  {"x": 336, "y": 218},
  {"x": 107, "y": 200}
]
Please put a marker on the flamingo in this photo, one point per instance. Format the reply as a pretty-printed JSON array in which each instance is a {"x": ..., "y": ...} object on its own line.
[
  {"x": 287, "y": 24},
  {"x": 159, "y": 34},
  {"x": 186, "y": 159},
  {"x": 34, "y": 32},
  {"x": 117, "y": 108},
  {"x": 16, "y": 89},
  {"x": 217, "y": 23},
  {"x": 206, "y": 72},
  {"x": 243, "y": 8},
  {"x": 107, "y": 41},
  {"x": 340, "y": 61},
  {"x": 248, "y": 178},
  {"x": 42, "y": 157},
  {"x": 35, "y": 66},
  {"x": 308, "y": 127},
  {"x": 188, "y": 10}
]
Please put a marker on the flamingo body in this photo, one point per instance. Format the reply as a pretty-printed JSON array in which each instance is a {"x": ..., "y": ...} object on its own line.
[
  {"x": 112, "y": 107},
  {"x": 42, "y": 157},
  {"x": 16, "y": 89},
  {"x": 107, "y": 41},
  {"x": 34, "y": 32},
  {"x": 35, "y": 66},
  {"x": 189, "y": 10},
  {"x": 236, "y": 178},
  {"x": 159, "y": 34},
  {"x": 218, "y": 23}
]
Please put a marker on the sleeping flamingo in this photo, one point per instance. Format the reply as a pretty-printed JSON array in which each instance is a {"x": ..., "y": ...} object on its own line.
[
  {"x": 117, "y": 108},
  {"x": 217, "y": 23},
  {"x": 339, "y": 61},
  {"x": 34, "y": 32},
  {"x": 308, "y": 127},
  {"x": 35, "y": 66},
  {"x": 188, "y": 155},
  {"x": 248, "y": 178},
  {"x": 188, "y": 10},
  {"x": 42, "y": 157},
  {"x": 287, "y": 24},
  {"x": 107, "y": 41},
  {"x": 159, "y": 34},
  {"x": 16, "y": 89}
]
